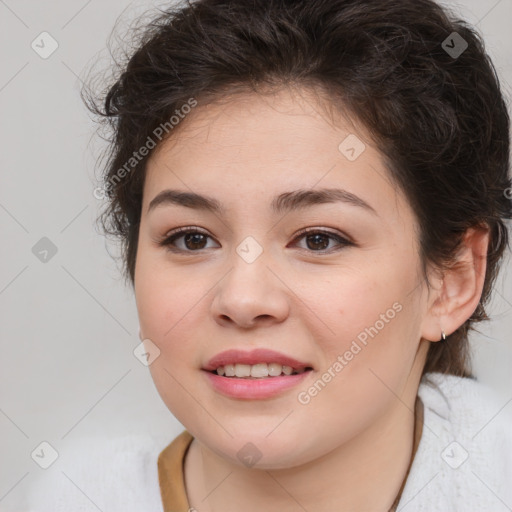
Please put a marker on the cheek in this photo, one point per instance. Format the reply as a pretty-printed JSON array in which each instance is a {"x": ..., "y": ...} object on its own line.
[
  {"x": 169, "y": 309},
  {"x": 356, "y": 307},
  {"x": 166, "y": 300},
  {"x": 373, "y": 323}
]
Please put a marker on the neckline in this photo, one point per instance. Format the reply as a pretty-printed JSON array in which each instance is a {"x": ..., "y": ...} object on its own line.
[
  {"x": 171, "y": 461},
  {"x": 418, "y": 431}
]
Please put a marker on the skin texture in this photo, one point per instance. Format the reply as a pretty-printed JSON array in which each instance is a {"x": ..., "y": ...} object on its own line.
[{"x": 350, "y": 446}]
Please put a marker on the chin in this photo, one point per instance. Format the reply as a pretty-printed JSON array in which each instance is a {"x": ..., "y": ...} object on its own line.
[{"x": 257, "y": 450}]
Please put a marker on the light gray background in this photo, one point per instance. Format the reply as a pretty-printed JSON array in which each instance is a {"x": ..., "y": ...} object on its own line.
[{"x": 69, "y": 327}]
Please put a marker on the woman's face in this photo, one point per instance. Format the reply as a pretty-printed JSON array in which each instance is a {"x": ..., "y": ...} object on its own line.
[{"x": 346, "y": 301}]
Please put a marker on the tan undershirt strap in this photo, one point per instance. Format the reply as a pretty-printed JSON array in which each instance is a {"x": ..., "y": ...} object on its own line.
[{"x": 171, "y": 476}]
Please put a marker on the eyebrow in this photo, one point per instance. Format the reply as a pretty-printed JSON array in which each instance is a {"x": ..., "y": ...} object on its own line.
[{"x": 285, "y": 202}]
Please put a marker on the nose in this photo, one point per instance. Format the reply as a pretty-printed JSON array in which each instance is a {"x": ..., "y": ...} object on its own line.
[{"x": 251, "y": 294}]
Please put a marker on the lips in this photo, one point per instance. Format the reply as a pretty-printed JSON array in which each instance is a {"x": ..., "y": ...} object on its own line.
[{"x": 254, "y": 357}]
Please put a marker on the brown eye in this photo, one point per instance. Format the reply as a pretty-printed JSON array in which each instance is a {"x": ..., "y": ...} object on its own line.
[
  {"x": 194, "y": 241},
  {"x": 186, "y": 240},
  {"x": 319, "y": 241}
]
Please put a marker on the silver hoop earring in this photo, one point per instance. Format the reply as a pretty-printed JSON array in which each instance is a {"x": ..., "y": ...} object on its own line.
[{"x": 443, "y": 335}]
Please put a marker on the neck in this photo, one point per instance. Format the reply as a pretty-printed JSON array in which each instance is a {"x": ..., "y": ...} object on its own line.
[{"x": 364, "y": 474}]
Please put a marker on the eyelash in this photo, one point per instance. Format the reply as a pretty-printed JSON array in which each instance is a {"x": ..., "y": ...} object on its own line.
[{"x": 180, "y": 232}]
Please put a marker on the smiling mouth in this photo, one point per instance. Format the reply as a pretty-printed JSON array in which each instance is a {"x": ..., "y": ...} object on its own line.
[{"x": 257, "y": 371}]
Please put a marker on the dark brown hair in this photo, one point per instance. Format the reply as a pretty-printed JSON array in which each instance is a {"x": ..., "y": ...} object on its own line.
[{"x": 433, "y": 107}]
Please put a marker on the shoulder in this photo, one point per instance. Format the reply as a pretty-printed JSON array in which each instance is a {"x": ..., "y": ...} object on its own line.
[
  {"x": 466, "y": 408},
  {"x": 115, "y": 474},
  {"x": 457, "y": 393},
  {"x": 464, "y": 459}
]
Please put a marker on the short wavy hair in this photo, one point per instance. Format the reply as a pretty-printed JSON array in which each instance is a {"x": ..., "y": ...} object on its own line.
[{"x": 438, "y": 116}]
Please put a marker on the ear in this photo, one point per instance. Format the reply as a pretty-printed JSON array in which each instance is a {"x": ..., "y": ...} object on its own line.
[{"x": 459, "y": 289}]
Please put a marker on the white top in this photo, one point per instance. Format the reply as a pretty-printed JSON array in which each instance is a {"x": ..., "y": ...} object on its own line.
[{"x": 463, "y": 462}]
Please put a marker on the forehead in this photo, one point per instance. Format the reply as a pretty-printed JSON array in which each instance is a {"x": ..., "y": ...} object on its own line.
[
  {"x": 263, "y": 145},
  {"x": 281, "y": 121}
]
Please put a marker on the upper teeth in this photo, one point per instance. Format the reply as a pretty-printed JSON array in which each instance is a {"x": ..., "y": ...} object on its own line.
[{"x": 255, "y": 370}]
